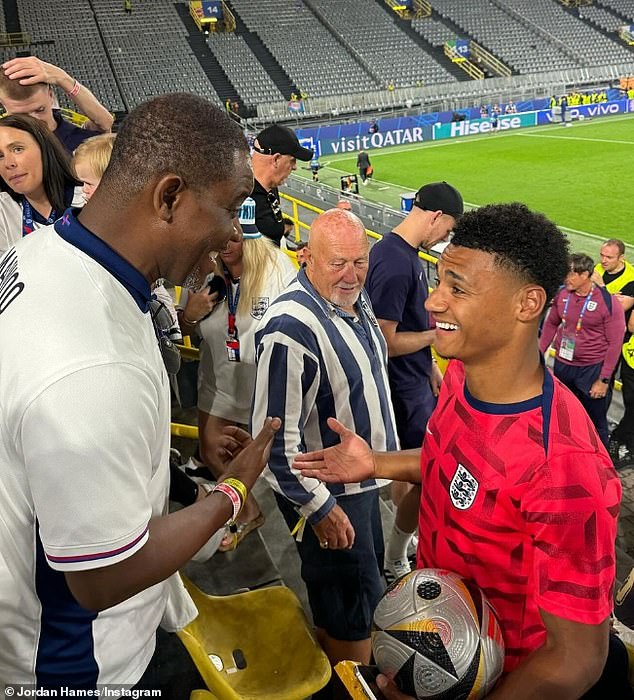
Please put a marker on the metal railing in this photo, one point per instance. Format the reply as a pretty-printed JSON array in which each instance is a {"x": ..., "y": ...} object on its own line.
[
  {"x": 225, "y": 24},
  {"x": 450, "y": 96},
  {"x": 488, "y": 60},
  {"x": 418, "y": 10},
  {"x": 469, "y": 68},
  {"x": 14, "y": 39}
]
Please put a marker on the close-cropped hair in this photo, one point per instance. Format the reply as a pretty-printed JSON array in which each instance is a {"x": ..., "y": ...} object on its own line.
[
  {"x": 14, "y": 91},
  {"x": 618, "y": 243},
  {"x": 177, "y": 133},
  {"x": 258, "y": 258},
  {"x": 95, "y": 152},
  {"x": 57, "y": 175},
  {"x": 522, "y": 241},
  {"x": 580, "y": 262}
]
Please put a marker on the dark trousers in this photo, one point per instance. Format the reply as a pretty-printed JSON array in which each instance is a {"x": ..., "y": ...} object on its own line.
[
  {"x": 343, "y": 585},
  {"x": 624, "y": 431},
  {"x": 613, "y": 683},
  {"x": 579, "y": 380}
]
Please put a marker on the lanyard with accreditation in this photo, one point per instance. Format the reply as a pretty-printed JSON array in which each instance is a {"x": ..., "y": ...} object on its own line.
[
  {"x": 232, "y": 341},
  {"x": 568, "y": 339}
]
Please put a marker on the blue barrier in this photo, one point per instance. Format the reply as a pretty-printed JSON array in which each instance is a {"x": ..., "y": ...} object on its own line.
[
  {"x": 601, "y": 109},
  {"x": 396, "y": 131},
  {"x": 469, "y": 127}
]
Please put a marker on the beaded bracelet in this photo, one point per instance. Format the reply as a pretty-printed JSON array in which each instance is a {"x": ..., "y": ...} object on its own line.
[{"x": 233, "y": 495}]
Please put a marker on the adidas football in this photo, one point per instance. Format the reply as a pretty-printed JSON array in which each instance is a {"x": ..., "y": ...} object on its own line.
[{"x": 437, "y": 636}]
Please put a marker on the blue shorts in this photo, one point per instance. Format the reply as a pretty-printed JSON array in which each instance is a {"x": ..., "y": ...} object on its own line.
[
  {"x": 344, "y": 585},
  {"x": 412, "y": 410}
]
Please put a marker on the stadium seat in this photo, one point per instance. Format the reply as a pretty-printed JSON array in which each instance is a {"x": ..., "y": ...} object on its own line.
[{"x": 263, "y": 640}]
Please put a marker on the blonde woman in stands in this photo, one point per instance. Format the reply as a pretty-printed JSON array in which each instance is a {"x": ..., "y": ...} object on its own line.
[
  {"x": 36, "y": 181},
  {"x": 254, "y": 272}
]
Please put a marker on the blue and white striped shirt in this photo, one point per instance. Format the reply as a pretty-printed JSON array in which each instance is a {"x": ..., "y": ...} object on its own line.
[{"x": 315, "y": 361}]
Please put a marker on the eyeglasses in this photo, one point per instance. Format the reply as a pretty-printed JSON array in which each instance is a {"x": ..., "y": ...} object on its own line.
[{"x": 274, "y": 203}]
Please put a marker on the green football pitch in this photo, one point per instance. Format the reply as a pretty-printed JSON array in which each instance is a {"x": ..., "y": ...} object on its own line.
[{"x": 580, "y": 176}]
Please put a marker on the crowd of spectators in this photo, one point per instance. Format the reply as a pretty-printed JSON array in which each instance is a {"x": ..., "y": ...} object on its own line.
[{"x": 319, "y": 375}]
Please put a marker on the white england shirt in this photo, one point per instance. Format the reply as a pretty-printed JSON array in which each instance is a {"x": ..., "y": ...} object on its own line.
[{"x": 84, "y": 448}]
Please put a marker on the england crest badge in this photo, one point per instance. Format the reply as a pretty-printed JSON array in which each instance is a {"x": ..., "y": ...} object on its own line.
[
  {"x": 258, "y": 306},
  {"x": 463, "y": 488}
]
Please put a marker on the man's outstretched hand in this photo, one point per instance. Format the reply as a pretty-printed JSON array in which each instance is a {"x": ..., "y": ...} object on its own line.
[{"x": 350, "y": 461}]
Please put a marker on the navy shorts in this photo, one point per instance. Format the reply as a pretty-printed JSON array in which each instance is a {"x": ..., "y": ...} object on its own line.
[
  {"x": 412, "y": 410},
  {"x": 344, "y": 585}
]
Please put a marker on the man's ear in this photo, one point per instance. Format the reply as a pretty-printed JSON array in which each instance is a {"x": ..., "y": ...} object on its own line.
[
  {"x": 532, "y": 301},
  {"x": 167, "y": 194}
]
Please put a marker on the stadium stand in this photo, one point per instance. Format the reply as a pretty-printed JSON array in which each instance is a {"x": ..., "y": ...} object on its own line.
[
  {"x": 371, "y": 33},
  {"x": 341, "y": 57},
  {"x": 149, "y": 51},
  {"x": 308, "y": 52},
  {"x": 86, "y": 60},
  {"x": 592, "y": 47},
  {"x": 600, "y": 17},
  {"x": 520, "y": 47},
  {"x": 247, "y": 74},
  {"x": 434, "y": 31},
  {"x": 623, "y": 7}
]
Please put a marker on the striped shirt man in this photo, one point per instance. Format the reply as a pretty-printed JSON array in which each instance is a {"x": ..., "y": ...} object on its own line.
[{"x": 316, "y": 361}]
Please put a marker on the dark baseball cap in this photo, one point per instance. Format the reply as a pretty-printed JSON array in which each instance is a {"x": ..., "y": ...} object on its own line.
[
  {"x": 440, "y": 195},
  {"x": 280, "y": 139}
]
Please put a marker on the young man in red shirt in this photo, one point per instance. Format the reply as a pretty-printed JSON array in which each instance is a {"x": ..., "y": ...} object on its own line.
[{"x": 518, "y": 492}]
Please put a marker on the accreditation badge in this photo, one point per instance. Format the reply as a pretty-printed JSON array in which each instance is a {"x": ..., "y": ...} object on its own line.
[{"x": 567, "y": 348}]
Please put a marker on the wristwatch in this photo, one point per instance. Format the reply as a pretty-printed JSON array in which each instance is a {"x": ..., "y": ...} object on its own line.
[{"x": 605, "y": 380}]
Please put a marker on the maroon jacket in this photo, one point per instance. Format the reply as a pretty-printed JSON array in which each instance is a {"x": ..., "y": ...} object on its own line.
[{"x": 602, "y": 328}]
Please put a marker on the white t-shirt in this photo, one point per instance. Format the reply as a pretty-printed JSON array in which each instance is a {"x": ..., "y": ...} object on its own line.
[
  {"x": 11, "y": 218},
  {"x": 84, "y": 451},
  {"x": 225, "y": 388}
]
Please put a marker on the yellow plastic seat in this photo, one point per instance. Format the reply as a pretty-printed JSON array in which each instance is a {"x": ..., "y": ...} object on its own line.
[{"x": 268, "y": 626}]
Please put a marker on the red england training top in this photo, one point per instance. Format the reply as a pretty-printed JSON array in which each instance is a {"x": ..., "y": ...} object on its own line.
[{"x": 523, "y": 500}]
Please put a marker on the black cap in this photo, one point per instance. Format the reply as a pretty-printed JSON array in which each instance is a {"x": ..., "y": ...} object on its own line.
[
  {"x": 440, "y": 195},
  {"x": 280, "y": 139}
]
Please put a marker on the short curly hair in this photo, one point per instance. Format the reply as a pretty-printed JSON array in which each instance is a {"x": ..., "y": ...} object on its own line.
[{"x": 522, "y": 241}]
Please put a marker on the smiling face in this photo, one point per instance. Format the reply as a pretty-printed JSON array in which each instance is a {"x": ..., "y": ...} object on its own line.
[
  {"x": 20, "y": 161},
  {"x": 231, "y": 254},
  {"x": 475, "y": 305},
  {"x": 204, "y": 220},
  {"x": 337, "y": 258}
]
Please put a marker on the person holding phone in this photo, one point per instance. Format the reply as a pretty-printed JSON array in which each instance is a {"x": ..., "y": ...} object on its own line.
[{"x": 250, "y": 273}]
